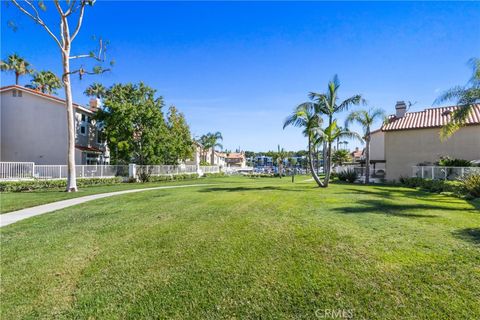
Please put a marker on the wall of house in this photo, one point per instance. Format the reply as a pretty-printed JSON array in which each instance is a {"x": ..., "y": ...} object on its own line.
[
  {"x": 377, "y": 146},
  {"x": 407, "y": 148},
  {"x": 33, "y": 129}
]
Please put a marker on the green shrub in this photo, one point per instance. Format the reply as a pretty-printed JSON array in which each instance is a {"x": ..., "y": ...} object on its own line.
[
  {"x": 260, "y": 175},
  {"x": 456, "y": 187},
  {"x": 171, "y": 177},
  {"x": 31, "y": 185},
  {"x": 348, "y": 175},
  {"x": 217, "y": 174},
  {"x": 450, "y": 162},
  {"x": 471, "y": 185}
]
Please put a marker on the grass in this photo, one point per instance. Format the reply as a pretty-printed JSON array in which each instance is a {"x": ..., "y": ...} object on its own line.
[
  {"x": 246, "y": 248},
  {"x": 12, "y": 201}
]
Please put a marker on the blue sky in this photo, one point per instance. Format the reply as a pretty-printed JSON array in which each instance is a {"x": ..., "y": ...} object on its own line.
[{"x": 241, "y": 67}]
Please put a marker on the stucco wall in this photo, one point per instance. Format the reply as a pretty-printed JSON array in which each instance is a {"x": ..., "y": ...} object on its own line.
[
  {"x": 33, "y": 129},
  {"x": 377, "y": 145},
  {"x": 407, "y": 148}
]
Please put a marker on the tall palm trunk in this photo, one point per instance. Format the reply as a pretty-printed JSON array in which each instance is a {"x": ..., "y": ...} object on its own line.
[
  {"x": 367, "y": 159},
  {"x": 212, "y": 157},
  {"x": 327, "y": 163},
  {"x": 17, "y": 76},
  {"x": 71, "y": 174},
  {"x": 312, "y": 167}
]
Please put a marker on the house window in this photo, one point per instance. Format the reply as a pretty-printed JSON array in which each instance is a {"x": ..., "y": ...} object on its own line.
[
  {"x": 83, "y": 117},
  {"x": 99, "y": 137},
  {"x": 14, "y": 93},
  {"x": 83, "y": 130}
]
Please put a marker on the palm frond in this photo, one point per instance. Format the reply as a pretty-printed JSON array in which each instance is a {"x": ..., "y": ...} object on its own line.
[{"x": 454, "y": 93}]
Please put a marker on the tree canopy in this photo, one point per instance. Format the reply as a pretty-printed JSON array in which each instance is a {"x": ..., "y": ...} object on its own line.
[
  {"x": 46, "y": 82},
  {"x": 133, "y": 124}
]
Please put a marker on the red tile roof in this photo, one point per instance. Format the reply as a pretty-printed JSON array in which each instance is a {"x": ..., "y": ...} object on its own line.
[
  {"x": 235, "y": 155},
  {"x": 429, "y": 118},
  {"x": 44, "y": 95}
]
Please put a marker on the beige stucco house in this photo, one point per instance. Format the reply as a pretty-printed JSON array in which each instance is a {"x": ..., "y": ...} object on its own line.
[
  {"x": 200, "y": 154},
  {"x": 413, "y": 138},
  {"x": 34, "y": 129}
]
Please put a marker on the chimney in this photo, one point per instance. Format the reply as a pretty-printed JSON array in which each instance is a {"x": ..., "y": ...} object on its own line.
[
  {"x": 400, "y": 109},
  {"x": 94, "y": 104}
]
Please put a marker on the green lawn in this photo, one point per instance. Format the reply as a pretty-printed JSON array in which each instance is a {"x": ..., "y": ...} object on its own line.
[
  {"x": 246, "y": 248},
  {"x": 12, "y": 201}
]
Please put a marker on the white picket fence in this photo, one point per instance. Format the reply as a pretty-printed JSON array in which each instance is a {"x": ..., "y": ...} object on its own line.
[
  {"x": 163, "y": 170},
  {"x": 29, "y": 170},
  {"x": 210, "y": 169},
  {"x": 442, "y": 173},
  {"x": 16, "y": 170}
]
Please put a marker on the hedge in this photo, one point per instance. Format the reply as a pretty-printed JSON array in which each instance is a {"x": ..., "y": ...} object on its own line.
[
  {"x": 217, "y": 174},
  {"x": 31, "y": 185},
  {"x": 468, "y": 186},
  {"x": 176, "y": 177}
]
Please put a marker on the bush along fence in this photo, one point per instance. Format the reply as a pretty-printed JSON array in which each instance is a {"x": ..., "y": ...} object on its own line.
[
  {"x": 443, "y": 173},
  {"x": 14, "y": 171}
]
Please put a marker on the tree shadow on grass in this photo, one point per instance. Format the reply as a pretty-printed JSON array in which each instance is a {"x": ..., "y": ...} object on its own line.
[
  {"x": 395, "y": 193},
  {"x": 390, "y": 209},
  {"x": 243, "y": 189},
  {"x": 468, "y": 234}
]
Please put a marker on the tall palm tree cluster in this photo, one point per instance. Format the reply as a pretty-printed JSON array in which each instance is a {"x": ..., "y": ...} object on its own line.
[
  {"x": 318, "y": 119},
  {"x": 43, "y": 81},
  {"x": 210, "y": 141}
]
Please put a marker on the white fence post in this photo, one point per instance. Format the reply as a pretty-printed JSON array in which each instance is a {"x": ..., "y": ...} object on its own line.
[{"x": 132, "y": 170}]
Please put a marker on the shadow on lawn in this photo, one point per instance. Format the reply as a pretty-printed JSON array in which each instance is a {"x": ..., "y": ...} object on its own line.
[
  {"x": 241, "y": 189},
  {"x": 386, "y": 193},
  {"x": 390, "y": 209},
  {"x": 468, "y": 234}
]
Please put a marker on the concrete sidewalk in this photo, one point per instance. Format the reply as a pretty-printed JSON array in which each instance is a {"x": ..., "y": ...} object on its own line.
[{"x": 14, "y": 216}]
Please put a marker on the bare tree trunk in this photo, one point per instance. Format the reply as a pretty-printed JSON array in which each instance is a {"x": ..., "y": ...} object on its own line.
[
  {"x": 71, "y": 174},
  {"x": 367, "y": 159},
  {"x": 17, "y": 76},
  {"x": 312, "y": 167}
]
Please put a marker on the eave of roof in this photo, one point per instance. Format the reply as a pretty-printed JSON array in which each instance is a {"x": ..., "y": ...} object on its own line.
[
  {"x": 43, "y": 95},
  {"x": 84, "y": 148}
]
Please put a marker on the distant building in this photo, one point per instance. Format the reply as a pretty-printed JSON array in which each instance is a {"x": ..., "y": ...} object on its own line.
[
  {"x": 202, "y": 155},
  {"x": 34, "y": 129},
  {"x": 263, "y": 161},
  {"x": 356, "y": 155},
  {"x": 236, "y": 159}
]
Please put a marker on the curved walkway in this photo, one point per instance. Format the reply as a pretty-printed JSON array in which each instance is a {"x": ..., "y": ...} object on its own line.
[{"x": 14, "y": 216}]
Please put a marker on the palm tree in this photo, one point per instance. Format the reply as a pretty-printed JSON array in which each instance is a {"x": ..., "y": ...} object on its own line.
[
  {"x": 96, "y": 90},
  {"x": 340, "y": 156},
  {"x": 466, "y": 98},
  {"x": 304, "y": 116},
  {"x": 16, "y": 64},
  {"x": 329, "y": 135},
  {"x": 366, "y": 118},
  {"x": 46, "y": 82},
  {"x": 211, "y": 141},
  {"x": 281, "y": 156},
  {"x": 327, "y": 104}
]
